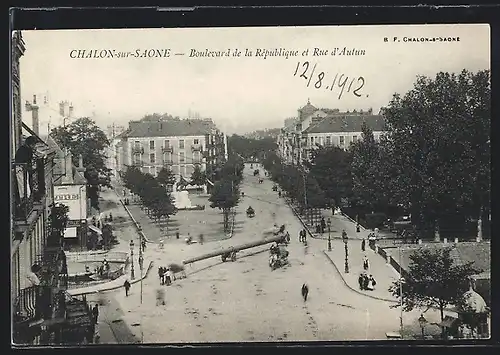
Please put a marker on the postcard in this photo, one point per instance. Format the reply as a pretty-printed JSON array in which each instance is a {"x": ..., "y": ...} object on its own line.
[{"x": 250, "y": 184}]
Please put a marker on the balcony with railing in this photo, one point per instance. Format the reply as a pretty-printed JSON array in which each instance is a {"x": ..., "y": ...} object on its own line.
[
  {"x": 28, "y": 180},
  {"x": 53, "y": 269},
  {"x": 167, "y": 162},
  {"x": 138, "y": 163},
  {"x": 167, "y": 149},
  {"x": 196, "y": 147},
  {"x": 137, "y": 149}
]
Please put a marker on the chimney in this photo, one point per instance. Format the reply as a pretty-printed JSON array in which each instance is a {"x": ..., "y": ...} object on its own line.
[
  {"x": 68, "y": 167},
  {"x": 34, "y": 99},
  {"x": 70, "y": 113},
  {"x": 35, "y": 120},
  {"x": 61, "y": 108},
  {"x": 80, "y": 161}
]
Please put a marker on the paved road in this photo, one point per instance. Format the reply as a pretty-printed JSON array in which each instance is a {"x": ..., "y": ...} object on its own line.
[{"x": 246, "y": 301}]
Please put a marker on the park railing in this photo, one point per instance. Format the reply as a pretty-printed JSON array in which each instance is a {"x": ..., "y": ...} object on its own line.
[{"x": 88, "y": 257}]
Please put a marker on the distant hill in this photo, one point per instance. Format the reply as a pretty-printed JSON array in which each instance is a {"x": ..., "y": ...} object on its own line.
[{"x": 265, "y": 133}]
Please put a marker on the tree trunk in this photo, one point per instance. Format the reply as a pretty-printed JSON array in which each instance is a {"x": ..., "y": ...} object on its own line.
[{"x": 441, "y": 312}]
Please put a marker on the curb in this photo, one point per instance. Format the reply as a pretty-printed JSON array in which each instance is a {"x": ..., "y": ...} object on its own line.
[
  {"x": 296, "y": 214},
  {"x": 352, "y": 220},
  {"x": 136, "y": 224},
  {"x": 353, "y": 289},
  {"x": 116, "y": 287}
]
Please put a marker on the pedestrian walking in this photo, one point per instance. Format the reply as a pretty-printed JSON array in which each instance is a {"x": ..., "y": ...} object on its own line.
[
  {"x": 300, "y": 236},
  {"x": 160, "y": 297},
  {"x": 110, "y": 218},
  {"x": 371, "y": 283},
  {"x": 201, "y": 238},
  {"x": 366, "y": 281},
  {"x": 361, "y": 281},
  {"x": 168, "y": 277},
  {"x": 143, "y": 245},
  {"x": 366, "y": 263},
  {"x": 363, "y": 245},
  {"x": 344, "y": 234},
  {"x": 305, "y": 291},
  {"x": 95, "y": 313},
  {"x": 161, "y": 274},
  {"x": 126, "y": 284}
]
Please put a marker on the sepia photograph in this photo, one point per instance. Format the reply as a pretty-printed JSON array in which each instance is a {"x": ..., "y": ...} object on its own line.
[{"x": 250, "y": 184}]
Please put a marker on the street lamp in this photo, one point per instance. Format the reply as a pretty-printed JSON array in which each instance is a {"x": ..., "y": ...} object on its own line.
[
  {"x": 132, "y": 274},
  {"x": 141, "y": 259},
  {"x": 329, "y": 223},
  {"x": 422, "y": 321},
  {"x": 346, "y": 265}
]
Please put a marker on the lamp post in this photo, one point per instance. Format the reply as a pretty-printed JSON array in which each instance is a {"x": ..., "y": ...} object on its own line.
[
  {"x": 422, "y": 321},
  {"x": 346, "y": 265},
  {"x": 132, "y": 274},
  {"x": 329, "y": 223},
  {"x": 141, "y": 259}
]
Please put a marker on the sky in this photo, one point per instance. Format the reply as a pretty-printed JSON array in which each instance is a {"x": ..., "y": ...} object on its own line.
[{"x": 244, "y": 93}]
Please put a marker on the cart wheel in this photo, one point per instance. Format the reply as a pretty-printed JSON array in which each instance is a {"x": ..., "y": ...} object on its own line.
[{"x": 223, "y": 258}]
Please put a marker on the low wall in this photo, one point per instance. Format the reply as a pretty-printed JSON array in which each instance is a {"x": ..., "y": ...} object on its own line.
[{"x": 111, "y": 256}]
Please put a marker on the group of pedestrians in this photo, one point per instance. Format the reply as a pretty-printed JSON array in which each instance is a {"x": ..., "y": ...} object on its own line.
[
  {"x": 165, "y": 275},
  {"x": 366, "y": 282}
]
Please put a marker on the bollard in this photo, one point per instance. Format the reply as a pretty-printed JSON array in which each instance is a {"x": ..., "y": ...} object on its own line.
[
  {"x": 445, "y": 240},
  {"x": 420, "y": 241},
  {"x": 456, "y": 240}
]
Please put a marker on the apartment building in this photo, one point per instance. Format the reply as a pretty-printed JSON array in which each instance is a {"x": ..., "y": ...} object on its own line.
[
  {"x": 180, "y": 144},
  {"x": 315, "y": 127}
]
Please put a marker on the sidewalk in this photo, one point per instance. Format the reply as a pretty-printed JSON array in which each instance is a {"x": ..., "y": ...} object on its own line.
[
  {"x": 383, "y": 273},
  {"x": 118, "y": 282}
]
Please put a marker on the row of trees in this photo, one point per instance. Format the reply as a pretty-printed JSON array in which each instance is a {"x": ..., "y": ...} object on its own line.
[
  {"x": 152, "y": 191},
  {"x": 251, "y": 148},
  {"x": 432, "y": 161}
]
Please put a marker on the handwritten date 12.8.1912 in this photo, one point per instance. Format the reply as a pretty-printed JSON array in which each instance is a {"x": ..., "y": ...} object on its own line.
[{"x": 338, "y": 82}]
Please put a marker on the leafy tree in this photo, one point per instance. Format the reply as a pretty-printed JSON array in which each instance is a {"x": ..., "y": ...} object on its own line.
[
  {"x": 58, "y": 219},
  {"x": 225, "y": 195},
  {"x": 83, "y": 137},
  {"x": 365, "y": 170},
  {"x": 331, "y": 166},
  {"x": 439, "y": 133},
  {"x": 166, "y": 176},
  {"x": 250, "y": 148},
  {"x": 198, "y": 176},
  {"x": 434, "y": 280}
]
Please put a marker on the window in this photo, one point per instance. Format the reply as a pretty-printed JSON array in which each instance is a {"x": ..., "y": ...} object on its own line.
[
  {"x": 196, "y": 157},
  {"x": 167, "y": 157},
  {"x": 341, "y": 140},
  {"x": 181, "y": 144},
  {"x": 151, "y": 145},
  {"x": 196, "y": 141},
  {"x": 158, "y": 169},
  {"x": 328, "y": 140},
  {"x": 167, "y": 143},
  {"x": 354, "y": 139},
  {"x": 182, "y": 170},
  {"x": 152, "y": 158},
  {"x": 181, "y": 157},
  {"x": 137, "y": 159},
  {"x": 312, "y": 140},
  {"x": 137, "y": 144}
]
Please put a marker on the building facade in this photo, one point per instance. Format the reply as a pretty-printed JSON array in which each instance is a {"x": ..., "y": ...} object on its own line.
[
  {"x": 39, "y": 274},
  {"x": 315, "y": 127},
  {"x": 178, "y": 144}
]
